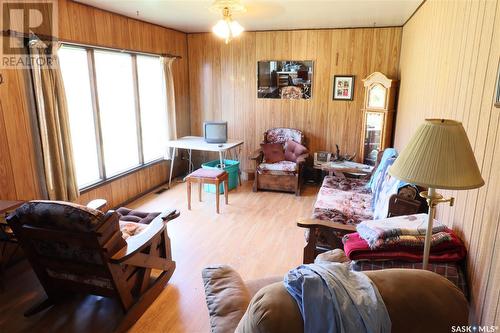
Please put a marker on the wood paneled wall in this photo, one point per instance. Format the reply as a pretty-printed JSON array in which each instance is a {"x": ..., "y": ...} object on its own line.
[
  {"x": 87, "y": 25},
  {"x": 449, "y": 64},
  {"x": 223, "y": 85}
]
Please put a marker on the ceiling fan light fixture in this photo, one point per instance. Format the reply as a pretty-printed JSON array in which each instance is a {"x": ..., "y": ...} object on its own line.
[{"x": 227, "y": 28}]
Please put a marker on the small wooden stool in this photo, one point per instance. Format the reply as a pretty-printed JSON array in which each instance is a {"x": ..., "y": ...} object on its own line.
[{"x": 208, "y": 176}]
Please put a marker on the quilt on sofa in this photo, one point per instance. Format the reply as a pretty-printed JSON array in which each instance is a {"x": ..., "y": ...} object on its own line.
[
  {"x": 350, "y": 200},
  {"x": 343, "y": 206}
]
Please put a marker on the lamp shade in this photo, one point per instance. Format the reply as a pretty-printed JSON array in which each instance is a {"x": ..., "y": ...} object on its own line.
[{"x": 439, "y": 155}]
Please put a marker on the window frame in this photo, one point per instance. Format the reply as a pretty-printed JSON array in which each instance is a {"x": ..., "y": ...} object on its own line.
[{"x": 103, "y": 178}]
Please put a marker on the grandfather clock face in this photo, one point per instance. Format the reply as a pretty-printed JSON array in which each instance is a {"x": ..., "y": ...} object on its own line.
[{"x": 376, "y": 97}]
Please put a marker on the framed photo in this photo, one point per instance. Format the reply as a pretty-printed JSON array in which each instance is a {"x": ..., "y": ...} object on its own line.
[{"x": 343, "y": 87}]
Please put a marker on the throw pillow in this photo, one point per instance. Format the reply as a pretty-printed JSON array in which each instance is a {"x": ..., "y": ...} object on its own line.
[
  {"x": 293, "y": 150},
  {"x": 273, "y": 152}
]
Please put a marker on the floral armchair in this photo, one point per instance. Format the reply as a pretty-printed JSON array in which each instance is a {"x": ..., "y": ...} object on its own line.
[{"x": 285, "y": 175}]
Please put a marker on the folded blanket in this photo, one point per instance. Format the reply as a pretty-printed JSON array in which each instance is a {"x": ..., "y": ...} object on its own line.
[
  {"x": 332, "y": 299},
  {"x": 356, "y": 248},
  {"x": 412, "y": 241},
  {"x": 416, "y": 224}
]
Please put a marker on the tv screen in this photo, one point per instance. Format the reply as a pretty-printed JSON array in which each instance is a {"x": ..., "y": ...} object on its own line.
[{"x": 215, "y": 131}]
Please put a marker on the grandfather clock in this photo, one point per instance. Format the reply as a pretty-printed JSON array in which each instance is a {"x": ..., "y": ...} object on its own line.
[{"x": 378, "y": 115}]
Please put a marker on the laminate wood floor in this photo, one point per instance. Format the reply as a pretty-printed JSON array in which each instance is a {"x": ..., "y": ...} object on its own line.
[{"x": 255, "y": 233}]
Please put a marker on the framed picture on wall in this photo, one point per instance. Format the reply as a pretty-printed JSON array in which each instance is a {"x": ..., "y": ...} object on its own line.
[{"x": 343, "y": 87}]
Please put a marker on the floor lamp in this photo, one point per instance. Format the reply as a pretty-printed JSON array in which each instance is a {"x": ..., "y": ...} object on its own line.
[{"x": 438, "y": 156}]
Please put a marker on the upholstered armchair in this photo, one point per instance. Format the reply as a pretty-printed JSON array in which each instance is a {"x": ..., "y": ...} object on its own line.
[
  {"x": 285, "y": 174},
  {"x": 74, "y": 248},
  {"x": 416, "y": 300}
]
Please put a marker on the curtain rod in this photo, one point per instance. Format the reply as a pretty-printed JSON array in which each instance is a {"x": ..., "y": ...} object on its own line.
[{"x": 13, "y": 33}]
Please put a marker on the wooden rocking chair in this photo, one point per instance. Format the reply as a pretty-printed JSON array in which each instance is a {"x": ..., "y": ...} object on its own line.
[{"x": 77, "y": 249}]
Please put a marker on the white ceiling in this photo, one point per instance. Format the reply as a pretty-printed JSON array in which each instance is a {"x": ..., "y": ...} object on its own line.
[{"x": 196, "y": 16}]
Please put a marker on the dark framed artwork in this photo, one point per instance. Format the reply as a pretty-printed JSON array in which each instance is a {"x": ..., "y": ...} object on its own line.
[
  {"x": 285, "y": 79},
  {"x": 343, "y": 87}
]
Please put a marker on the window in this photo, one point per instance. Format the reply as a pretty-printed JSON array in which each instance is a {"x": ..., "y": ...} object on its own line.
[
  {"x": 74, "y": 68},
  {"x": 117, "y": 110},
  {"x": 153, "y": 107}
]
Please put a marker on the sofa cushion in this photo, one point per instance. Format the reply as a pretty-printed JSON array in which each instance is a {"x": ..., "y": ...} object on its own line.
[
  {"x": 227, "y": 297},
  {"x": 420, "y": 301},
  {"x": 273, "y": 152},
  {"x": 293, "y": 150},
  {"x": 281, "y": 168},
  {"x": 129, "y": 215},
  {"x": 272, "y": 310},
  {"x": 282, "y": 135}
]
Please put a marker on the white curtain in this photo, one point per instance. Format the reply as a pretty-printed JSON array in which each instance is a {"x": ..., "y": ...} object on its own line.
[
  {"x": 53, "y": 122},
  {"x": 170, "y": 98}
]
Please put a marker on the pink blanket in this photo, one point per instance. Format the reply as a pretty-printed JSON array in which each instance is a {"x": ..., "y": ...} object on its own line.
[{"x": 356, "y": 248}]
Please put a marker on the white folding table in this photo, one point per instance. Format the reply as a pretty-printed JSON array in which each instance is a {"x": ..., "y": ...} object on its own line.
[{"x": 191, "y": 143}]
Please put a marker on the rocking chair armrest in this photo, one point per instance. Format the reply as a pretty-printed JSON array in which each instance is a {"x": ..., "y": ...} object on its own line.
[
  {"x": 97, "y": 204},
  {"x": 135, "y": 244},
  {"x": 256, "y": 154},
  {"x": 169, "y": 215}
]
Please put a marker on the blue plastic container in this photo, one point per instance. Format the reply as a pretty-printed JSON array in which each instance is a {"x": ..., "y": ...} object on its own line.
[{"x": 231, "y": 167}]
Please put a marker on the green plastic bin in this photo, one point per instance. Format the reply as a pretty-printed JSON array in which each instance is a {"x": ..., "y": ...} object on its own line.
[{"x": 231, "y": 167}]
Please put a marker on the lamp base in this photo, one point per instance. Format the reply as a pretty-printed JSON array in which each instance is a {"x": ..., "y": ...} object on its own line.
[{"x": 433, "y": 199}]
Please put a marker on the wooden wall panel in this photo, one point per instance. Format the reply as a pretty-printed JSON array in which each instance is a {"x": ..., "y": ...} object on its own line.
[
  {"x": 87, "y": 25},
  {"x": 449, "y": 64},
  {"x": 223, "y": 83},
  {"x": 18, "y": 148}
]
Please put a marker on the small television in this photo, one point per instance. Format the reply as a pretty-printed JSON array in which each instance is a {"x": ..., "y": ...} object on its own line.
[{"x": 215, "y": 131}]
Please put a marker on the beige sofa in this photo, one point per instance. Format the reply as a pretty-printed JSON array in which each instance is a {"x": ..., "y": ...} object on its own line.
[{"x": 417, "y": 301}]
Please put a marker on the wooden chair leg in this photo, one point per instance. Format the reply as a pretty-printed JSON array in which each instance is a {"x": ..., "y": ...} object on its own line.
[
  {"x": 310, "y": 248},
  {"x": 254, "y": 188},
  {"x": 217, "y": 183},
  {"x": 226, "y": 191},
  {"x": 189, "y": 193},
  {"x": 297, "y": 187},
  {"x": 200, "y": 184}
]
